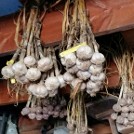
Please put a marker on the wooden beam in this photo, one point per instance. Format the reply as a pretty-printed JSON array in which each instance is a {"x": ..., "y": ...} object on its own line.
[{"x": 106, "y": 16}]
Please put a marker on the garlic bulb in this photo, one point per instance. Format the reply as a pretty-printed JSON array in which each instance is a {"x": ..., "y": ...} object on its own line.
[
  {"x": 61, "y": 81},
  {"x": 7, "y": 72},
  {"x": 129, "y": 101},
  {"x": 31, "y": 88},
  {"x": 63, "y": 61},
  {"x": 33, "y": 74},
  {"x": 19, "y": 68},
  {"x": 68, "y": 77},
  {"x": 22, "y": 79},
  {"x": 29, "y": 61},
  {"x": 117, "y": 108},
  {"x": 73, "y": 70},
  {"x": 45, "y": 64},
  {"x": 125, "y": 109},
  {"x": 91, "y": 85},
  {"x": 131, "y": 116},
  {"x": 98, "y": 77},
  {"x": 84, "y": 75},
  {"x": 98, "y": 58},
  {"x": 93, "y": 69},
  {"x": 126, "y": 122},
  {"x": 70, "y": 60},
  {"x": 120, "y": 120},
  {"x": 122, "y": 102},
  {"x": 52, "y": 83},
  {"x": 83, "y": 65},
  {"x": 84, "y": 52},
  {"x": 114, "y": 116},
  {"x": 41, "y": 90},
  {"x": 125, "y": 115},
  {"x": 83, "y": 86}
]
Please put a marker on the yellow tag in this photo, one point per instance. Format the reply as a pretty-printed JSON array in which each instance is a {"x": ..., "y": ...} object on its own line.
[
  {"x": 13, "y": 81},
  {"x": 10, "y": 62},
  {"x": 71, "y": 50}
]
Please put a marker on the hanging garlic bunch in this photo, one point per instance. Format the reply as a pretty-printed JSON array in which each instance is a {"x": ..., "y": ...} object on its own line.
[
  {"x": 39, "y": 109},
  {"x": 80, "y": 52}
]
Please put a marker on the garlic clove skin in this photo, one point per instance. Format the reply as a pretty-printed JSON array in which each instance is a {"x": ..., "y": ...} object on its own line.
[
  {"x": 73, "y": 70},
  {"x": 114, "y": 116},
  {"x": 45, "y": 64},
  {"x": 83, "y": 75},
  {"x": 117, "y": 108},
  {"x": 33, "y": 74},
  {"x": 62, "y": 59},
  {"x": 84, "y": 52},
  {"x": 52, "y": 83},
  {"x": 94, "y": 70},
  {"x": 92, "y": 85},
  {"x": 98, "y": 58},
  {"x": 70, "y": 60},
  {"x": 7, "y": 72},
  {"x": 61, "y": 81},
  {"x": 83, "y": 87},
  {"x": 29, "y": 61},
  {"x": 19, "y": 68},
  {"x": 122, "y": 102},
  {"x": 68, "y": 77},
  {"x": 120, "y": 120},
  {"x": 83, "y": 65},
  {"x": 125, "y": 109}
]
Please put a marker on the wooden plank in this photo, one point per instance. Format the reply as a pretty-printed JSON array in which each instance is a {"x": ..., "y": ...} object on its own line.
[
  {"x": 106, "y": 16},
  {"x": 5, "y": 98}
]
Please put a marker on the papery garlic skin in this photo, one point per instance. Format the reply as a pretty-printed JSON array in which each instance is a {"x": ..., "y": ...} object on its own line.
[
  {"x": 73, "y": 70},
  {"x": 68, "y": 77},
  {"x": 83, "y": 65},
  {"x": 61, "y": 81},
  {"x": 70, "y": 60},
  {"x": 31, "y": 88},
  {"x": 33, "y": 74},
  {"x": 83, "y": 75},
  {"x": 22, "y": 79},
  {"x": 84, "y": 52},
  {"x": 52, "y": 83},
  {"x": 45, "y": 64},
  {"x": 91, "y": 85},
  {"x": 99, "y": 77},
  {"x": 7, "y": 72},
  {"x": 29, "y": 61},
  {"x": 75, "y": 82},
  {"x": 19, "y": 68},
  {"x": 93, "y": 69},
  {"x": 98, "y": 58},
  {"x": 41, "y": 90},
  {"x": 52, "y": 93}
]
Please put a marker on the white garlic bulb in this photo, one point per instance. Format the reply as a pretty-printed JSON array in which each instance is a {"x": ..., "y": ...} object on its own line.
[
  {"x": 61, "y": 81},
  {"x": 68, "y": 77},
  {"x": 41, "y": 90},
  {"x": 45, "y": 64},
  {"x": 19, "y": 68},
  {"x": 7, "y": 72},
  {"x": 93, "y": 69},
  {"x": 29, "y": 61},
  {"x": 98, "y": 58},
  {"x": 84, "y": 52},
  {"x": 31, "y": 88},
  {"x": 91, "y": 85},
  {"x": 62, "y": 59},
  {"x": 83, "y": 65},
  {"x": 70, "y": 60},
  {"x": 91, "y": 92},
  {"x": 73, "y": 70},
  {"x": 22, "y": 79},
  {"x": 98, "y": 77},
  {"x": 83, "y": 86},
  {"x": 33, "y": 74},
  {"x": 52, "y": 83},
  {"x": 83, "y": 75}
]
